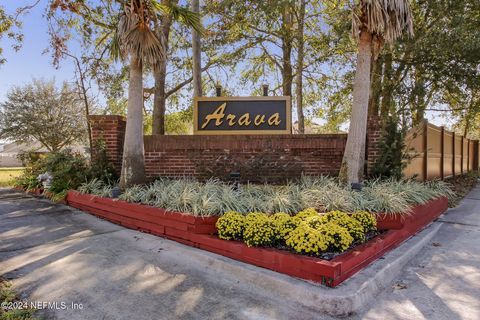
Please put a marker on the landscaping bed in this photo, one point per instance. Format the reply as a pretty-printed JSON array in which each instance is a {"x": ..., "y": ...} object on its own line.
[
  {"x": 142, "y": 217},
  {"x": 199, "y": 232}
]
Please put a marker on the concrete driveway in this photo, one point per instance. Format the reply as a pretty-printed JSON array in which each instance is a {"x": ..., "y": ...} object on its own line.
[{"x": 97, "y": 270}]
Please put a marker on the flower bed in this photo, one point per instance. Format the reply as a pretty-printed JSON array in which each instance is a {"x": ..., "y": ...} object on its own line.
[
  {"x": 141, "y": 217},
  {"x": 198, "y": 232},
  {"x": 419, "y": 214}
]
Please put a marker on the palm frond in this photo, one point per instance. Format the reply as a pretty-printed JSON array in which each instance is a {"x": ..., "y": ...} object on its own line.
[
  {"x": 180, "y": 14},
  {"x": 386, "y": 19}
]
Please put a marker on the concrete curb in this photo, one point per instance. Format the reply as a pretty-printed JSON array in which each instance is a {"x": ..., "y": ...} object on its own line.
[{"x": 346, "y": 299}]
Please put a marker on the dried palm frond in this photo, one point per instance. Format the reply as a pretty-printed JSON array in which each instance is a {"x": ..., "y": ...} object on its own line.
[
  {"x": 385, "y": 19},
  {"x": 135, "y": 34}
]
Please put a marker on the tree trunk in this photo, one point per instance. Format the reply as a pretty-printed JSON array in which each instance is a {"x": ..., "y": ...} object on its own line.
[
  {"x": 133, "y": 165},
  {"x": 354, "y": 156},
  {"x": 376, "y": 85},
  {"x": 299, "y": 82},
  {"x": 160, "y": 75},
  {"x": 196, "y": 56},
  {"x": 287, "y": 72},
  {"x": 387, "y": 88},
  {"x": 419, "y": 104}
]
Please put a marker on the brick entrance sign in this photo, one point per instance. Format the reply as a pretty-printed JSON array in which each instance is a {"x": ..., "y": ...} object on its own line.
[{"x": 257, "y": 158}]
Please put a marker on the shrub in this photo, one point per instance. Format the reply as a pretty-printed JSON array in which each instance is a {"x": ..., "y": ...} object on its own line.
[
  {"x": 367, "y": 220},
  {"x": 27, "y": 180},
  {"x": 337, "y": 238},
  {"x": 259, "y": 230},
  {"x": 68, "y": 171},
  {"x": 230, "y": 226},
  {"x": 101, "y": 168},
  {"x": 305, "y": 239},
  {"x": 392, "y": 158}
]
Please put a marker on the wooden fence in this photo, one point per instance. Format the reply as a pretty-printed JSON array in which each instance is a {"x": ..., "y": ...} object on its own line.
[{"x": 436, "y": 153}]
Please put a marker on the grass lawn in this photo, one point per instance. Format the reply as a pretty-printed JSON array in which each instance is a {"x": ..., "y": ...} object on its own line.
[
  {"x": 8, "y": 174},
  {"x": 11, "y": 307}
]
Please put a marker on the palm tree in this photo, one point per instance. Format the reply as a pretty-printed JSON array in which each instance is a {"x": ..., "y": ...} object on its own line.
[
  {"x": 136, "y": 37},
  {"x": 374, "y": 22}
]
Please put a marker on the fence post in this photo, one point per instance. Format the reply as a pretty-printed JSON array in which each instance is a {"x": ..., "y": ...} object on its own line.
[
  {"x": 476, "y": 156},
  {"x": 461, "y": 161},
  {"x": 454, "y": 154},
  {"x": 468, "y": 155},
  {"x": 425, "y": 150},
  {"x": 442, "y": 152}
]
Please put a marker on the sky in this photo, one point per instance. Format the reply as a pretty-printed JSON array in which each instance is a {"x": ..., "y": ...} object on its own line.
[{"x": 31, "y": 61}]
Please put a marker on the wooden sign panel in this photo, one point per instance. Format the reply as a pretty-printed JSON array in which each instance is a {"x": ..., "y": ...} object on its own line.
[{"x": 242, "y": 115}]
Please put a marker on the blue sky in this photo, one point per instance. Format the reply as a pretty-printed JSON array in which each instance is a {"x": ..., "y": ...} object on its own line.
[{"x": 30, "y": 62}]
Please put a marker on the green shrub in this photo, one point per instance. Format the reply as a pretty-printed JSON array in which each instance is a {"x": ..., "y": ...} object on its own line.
[
  {"x": 27, "y": 180},
  {"x": 230, "y": 226},
  {"x": 259, "y": 230},
  {"x": 101, "y": 168},
  {"x": 392, "y": 158},
  {"x": 68, "y": 171}
]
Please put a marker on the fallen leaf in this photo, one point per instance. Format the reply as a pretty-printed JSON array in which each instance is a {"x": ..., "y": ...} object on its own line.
[{"x": 399, "y": 286}]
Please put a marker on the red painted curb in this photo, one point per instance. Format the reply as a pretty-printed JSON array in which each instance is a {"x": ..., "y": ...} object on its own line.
[
  {"x": 122, "y": 211},
  {"x": 397, "y": 221},
  {"x": 196, "y": 232}
]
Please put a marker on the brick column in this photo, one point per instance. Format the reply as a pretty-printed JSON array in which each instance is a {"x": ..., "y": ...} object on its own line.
[
  {"x": 372, "y": 148},
  {"x": 110, "y": 131}
]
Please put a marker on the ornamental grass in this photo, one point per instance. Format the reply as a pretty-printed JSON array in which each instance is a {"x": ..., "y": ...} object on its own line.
[{"x": 214, "y": 197}]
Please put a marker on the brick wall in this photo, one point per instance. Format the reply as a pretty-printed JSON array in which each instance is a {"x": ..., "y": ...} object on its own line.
[
  {"x": 109, "y": 130},
  {"x": 374, "y": 135},
  {"x": 259, "y": 158}
]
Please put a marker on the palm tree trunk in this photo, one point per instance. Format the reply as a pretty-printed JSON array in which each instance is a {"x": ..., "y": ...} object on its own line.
[
  {"x": 354, "y": 157},
  {"x": 133, "y": 165},
  {"x": 196, "y": 55},
  {"x": 299, "y": 78}
]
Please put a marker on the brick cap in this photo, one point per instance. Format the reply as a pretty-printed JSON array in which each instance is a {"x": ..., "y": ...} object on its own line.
[{"x": 100, "y": 117}]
